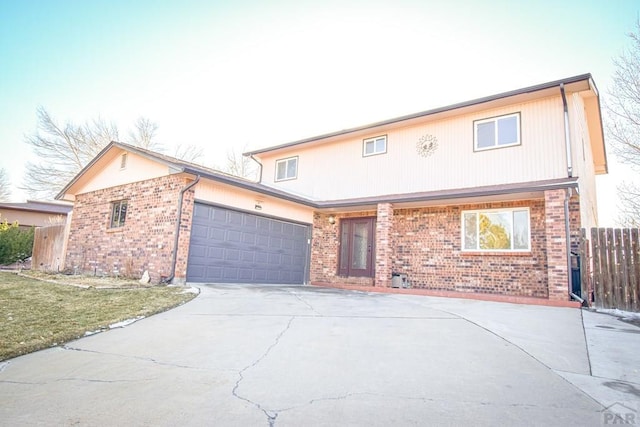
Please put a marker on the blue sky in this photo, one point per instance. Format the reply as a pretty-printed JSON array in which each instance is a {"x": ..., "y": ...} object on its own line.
[{"x": 224, "y": 74}]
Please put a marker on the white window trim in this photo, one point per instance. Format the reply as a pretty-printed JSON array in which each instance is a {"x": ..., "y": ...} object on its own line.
[
  {"x": 495, "y": 120},
  {"x": 373, "y": 139},
  {"x": 478, "y": 249},
  {"x": 286, "y": 161}
]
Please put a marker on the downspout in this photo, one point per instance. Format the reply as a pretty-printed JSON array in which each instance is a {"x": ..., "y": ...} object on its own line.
[
  {"x": 176, "y": 234},
  {"x": 567, "y": 134},
  {"x": 259, "y": 167}
]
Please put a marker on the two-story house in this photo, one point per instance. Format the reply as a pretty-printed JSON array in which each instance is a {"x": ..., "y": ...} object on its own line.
[{"x": 483, "y": 197}]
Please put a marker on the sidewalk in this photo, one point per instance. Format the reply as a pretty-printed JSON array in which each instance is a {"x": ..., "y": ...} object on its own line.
[{"x": 614, "y": 355}]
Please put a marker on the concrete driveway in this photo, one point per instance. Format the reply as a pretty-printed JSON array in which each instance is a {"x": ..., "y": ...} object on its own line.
[{"x": 292, "y": 356}]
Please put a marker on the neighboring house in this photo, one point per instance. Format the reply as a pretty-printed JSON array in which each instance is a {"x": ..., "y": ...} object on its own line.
[
  {"x": 35, "y": 213},
  {"x": 486, "y": 196}
]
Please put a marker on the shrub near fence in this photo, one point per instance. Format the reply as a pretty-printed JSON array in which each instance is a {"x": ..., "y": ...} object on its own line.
[
  {"x": 15, "y": 243},
  {"x": 615, "y": 267}
]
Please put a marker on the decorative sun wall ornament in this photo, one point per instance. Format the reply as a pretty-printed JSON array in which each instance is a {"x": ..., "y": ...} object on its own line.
[{"x": 426, "y": 145}]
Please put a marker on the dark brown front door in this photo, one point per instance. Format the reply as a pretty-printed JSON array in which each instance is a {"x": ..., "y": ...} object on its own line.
[{"x": 356, "y": 247}]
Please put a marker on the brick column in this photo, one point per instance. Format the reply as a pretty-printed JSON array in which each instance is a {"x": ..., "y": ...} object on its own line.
[
  {"x": 556, "y": 247},
  {"x": 384, "y": 248}
]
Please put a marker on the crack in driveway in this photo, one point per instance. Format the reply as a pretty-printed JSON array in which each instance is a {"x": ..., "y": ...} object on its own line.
[
  {"x": 302, "y": 300},
  {"x": 145, "y": 359},
  {"x": 271, "y": 415}
]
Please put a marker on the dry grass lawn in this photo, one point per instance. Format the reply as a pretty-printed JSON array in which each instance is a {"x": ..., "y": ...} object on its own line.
[{"x": 37, "y": 313}]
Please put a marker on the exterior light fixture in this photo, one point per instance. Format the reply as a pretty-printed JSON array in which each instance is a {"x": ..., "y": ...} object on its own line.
[
  {"x": 258, "y": 206},
  {"x": 332, "y": 219}
]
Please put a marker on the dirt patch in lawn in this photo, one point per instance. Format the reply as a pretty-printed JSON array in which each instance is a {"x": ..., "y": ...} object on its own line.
[
  {"x": 83, "y": 281},
  {"x": 37, "y": 313}
]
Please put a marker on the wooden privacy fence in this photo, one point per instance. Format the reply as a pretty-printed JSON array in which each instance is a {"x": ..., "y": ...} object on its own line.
[
  {"x": 48, "y": 248},
  {"x": 614, "y": 267}
]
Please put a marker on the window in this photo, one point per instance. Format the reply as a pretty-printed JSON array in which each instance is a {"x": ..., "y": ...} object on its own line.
[
  {"x": 496, "y": 132},
  {"x": 496, "y": 230},
  {"x": 118, "y": 213},
  {"x": 373, "y": 146},
  {"x": 287, "y": 169}
]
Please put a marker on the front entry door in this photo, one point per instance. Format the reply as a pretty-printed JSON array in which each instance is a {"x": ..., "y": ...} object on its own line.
[{"x": 357, "y": 247}]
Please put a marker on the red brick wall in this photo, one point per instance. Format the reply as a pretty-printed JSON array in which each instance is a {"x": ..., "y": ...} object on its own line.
[
  {"x": 557, "y": 267},
  {"x": 384, "y": 245},
  {"x": 145, "y": 241},
  {"x": 428, "y": 250},
  {"x": 425, "y": 244},
  {"x": 188, "y": 200}
]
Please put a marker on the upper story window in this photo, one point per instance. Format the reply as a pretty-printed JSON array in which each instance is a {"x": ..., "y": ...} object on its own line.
[
  {"x": 496, "y": 230},
  {"x": 118, "y": 213},
  {"x": 496, "y": 132},
  {"x": 375, "y": 145},
  {"x": 287, "y": 169}
]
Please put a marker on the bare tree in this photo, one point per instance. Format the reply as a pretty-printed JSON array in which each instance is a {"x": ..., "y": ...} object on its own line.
[
  {"x": 143, "y": 133},
  {"x": 189, "y": 152},
  {"x": 240, "y": 165},
  {"x": 63, "y": 151},
  {"x": 623, "y": 124},
  {"x": 5, "y": 188}
]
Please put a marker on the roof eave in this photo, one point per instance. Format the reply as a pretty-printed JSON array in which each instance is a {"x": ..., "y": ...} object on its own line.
[{"x": 530, "y": 89}]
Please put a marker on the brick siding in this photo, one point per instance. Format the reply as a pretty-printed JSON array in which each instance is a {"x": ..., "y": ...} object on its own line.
[
  {"x": 145, "y": 242},
  {"x": 384, "y": 245},
  {"x": 425, "y": 244}
]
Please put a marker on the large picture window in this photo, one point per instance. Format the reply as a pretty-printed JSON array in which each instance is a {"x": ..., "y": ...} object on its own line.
[
  {"x": 496, "y": 132},
  {"x": 118, "y": 213},
  {"x": 287, "y": 169},
  {"x": 496, "y": 230}
]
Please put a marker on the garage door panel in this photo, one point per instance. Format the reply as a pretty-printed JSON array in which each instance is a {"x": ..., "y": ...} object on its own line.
[
  {"x": 216, "y": 233},
  {"x": 275, "y": 242},
  {"x": 250, "y": 221},
  {"x": 233, "y": 236},
  {"x": 262, "y": 241},
  {"x": 199, "y": 251},
  {"x": 288, "y": 244},
  {"x": 232, "y": 255},
  {"x": 215, "y": 253},
  {"x": 247, "y": 256},
  {"x": 201, "y": 211},
  {"x": 274, "y": 259},
  {"x": 229, "y": 273},
  {"x": 237, "y": 247},
  {"x": 245, "y": 274},
  {"x": 214, "y": 272},
  {"x": 234, "y": 218},
  {"x": 261, "y": 257}
]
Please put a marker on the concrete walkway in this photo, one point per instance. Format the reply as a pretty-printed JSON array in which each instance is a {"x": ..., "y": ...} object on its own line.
[{"x": 291, "y": 356}]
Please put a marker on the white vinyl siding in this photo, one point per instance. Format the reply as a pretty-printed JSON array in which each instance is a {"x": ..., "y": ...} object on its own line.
[
  {"x": 339, "y": 169},
  {"x": 496, "y": 132},
  {"x": 373, "y": 146},
  {"x": 505, "y": 230},
  {"x": 287, "y": 169}
]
